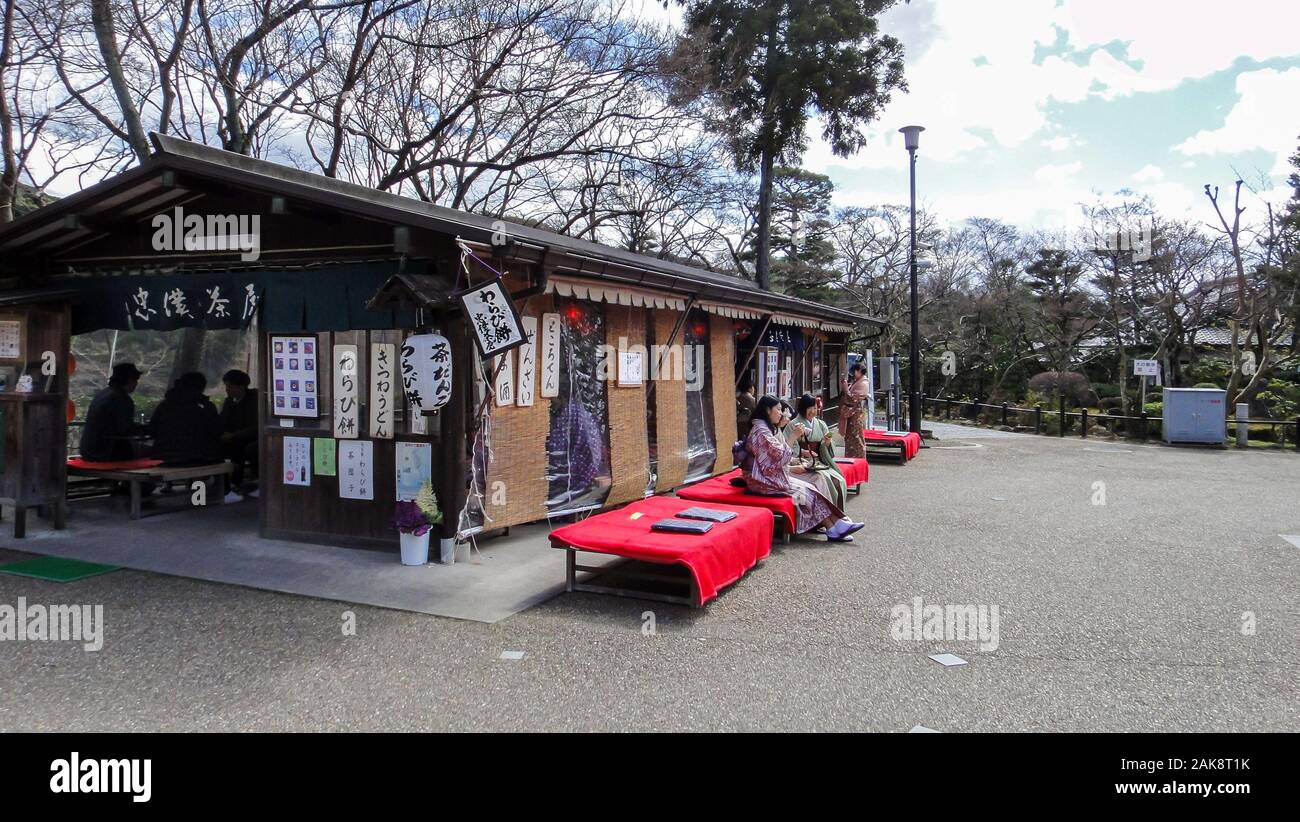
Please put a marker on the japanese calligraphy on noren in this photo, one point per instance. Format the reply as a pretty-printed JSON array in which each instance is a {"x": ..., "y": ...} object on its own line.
[
  {"x": 492, "y": 315},
  {"x": 293, "y": 377},
  {"x": 346, "y": 416},
  {"x": 426, "y": 371},
  {"x": 550, "y": 354},
  {"x": 505, "y": 382},
  {"x": 527, "y": 364},
  {"x": 382, "y": 389}
]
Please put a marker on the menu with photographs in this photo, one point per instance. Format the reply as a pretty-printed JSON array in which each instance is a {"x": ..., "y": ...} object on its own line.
[{"x": 294, "y": 376}]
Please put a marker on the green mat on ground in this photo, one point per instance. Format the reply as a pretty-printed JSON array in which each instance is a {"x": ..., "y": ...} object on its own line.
[{"x": 56, "y": 569}]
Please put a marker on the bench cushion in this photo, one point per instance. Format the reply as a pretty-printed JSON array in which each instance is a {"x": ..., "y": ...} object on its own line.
[{"x": 715, "y": 559}]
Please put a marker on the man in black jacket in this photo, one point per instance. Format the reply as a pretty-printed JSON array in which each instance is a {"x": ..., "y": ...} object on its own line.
[
  {"x": 186, "y": 427},
  {"x": 239, "y": 426},
  {"x": 110, "y": 420}
]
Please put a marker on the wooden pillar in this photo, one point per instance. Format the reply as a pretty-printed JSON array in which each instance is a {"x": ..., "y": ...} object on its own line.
[{"x": 454, "y": 427}]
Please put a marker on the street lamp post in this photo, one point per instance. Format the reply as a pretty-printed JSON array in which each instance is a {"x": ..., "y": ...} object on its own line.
[{"x": 911, "y": 137}]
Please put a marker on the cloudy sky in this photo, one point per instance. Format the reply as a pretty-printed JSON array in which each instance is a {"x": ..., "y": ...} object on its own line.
[{"x": 1031, "y": 106}]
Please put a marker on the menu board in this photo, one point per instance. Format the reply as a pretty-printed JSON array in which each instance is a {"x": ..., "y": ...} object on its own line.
[
  {"x": 356, "y": 469},
  {"x": 294, "y": 376}
]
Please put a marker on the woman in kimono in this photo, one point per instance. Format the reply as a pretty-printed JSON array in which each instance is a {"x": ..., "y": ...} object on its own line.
[
  {"x": 810, "y": 433},
  {"x": 853, "y": 416},
  {"x": 766, "y": 471}
]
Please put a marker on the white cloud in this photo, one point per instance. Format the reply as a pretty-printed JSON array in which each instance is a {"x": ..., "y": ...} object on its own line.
[
  {"x": 1059, "y": 173},
  {"x": 1264, "y": 117},
  {"x": 1149, "y": 174}
]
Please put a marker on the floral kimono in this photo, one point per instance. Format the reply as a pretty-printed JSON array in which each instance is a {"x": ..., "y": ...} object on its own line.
[
  {"x": 818, "y": 434},
  {"x": 766, "y": 473},
  {"x": 854, "y": 418}
]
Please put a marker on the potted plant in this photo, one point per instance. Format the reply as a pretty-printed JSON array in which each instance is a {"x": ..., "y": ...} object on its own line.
[{"x": 414, "y": 520}]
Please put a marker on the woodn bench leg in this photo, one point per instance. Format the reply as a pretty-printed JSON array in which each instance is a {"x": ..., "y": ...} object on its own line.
[
  {"x": 135, "y": 499},
  {"x": 20, "y": 522}
]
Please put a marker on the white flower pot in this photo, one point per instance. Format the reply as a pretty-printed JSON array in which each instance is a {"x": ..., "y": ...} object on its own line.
[{"x": 415, "y": 550}]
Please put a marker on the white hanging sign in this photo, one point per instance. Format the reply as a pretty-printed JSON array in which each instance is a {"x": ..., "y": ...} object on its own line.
[
  {"x": 426, "y": 371},
  {"x": 527, "y": 364},
  {"x": 631, "y": 368},
  {"x": 357, "y": 469},
  {"x": 494, "y": 318},
  {"x": 505, "y": 382},
  {"x": 550, "y": 355},
  {"x": 346, "y": 416},
  {"x": 382, "y": 390}
]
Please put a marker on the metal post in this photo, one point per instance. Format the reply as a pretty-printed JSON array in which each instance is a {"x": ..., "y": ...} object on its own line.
[
  {"x": 1004, "y": 414},
  {"x": 1038, "y": 419},
  {"x": 914, "y": 368},
  {"x": 1243, "y": 430},
  {"x": 948, "y": 408},
  {"x": 1083, "y": 419},
  {"x": 1142, "y": 425}
]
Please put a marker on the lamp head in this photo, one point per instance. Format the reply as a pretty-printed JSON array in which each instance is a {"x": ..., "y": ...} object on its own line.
[{"x": 911, "y": 136}]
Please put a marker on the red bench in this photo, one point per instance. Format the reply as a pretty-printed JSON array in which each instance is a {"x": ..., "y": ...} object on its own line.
[
  {"x": 904, "y": 445},
  {"x": 855, "y": 470},
  {"x": 719, "y": 490},
  {"x": 715, "y": 559}
]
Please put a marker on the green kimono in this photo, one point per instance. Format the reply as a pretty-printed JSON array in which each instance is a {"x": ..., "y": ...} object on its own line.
[{"x": 818, "y": 434}]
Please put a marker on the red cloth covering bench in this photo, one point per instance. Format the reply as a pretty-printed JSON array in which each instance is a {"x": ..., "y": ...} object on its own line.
[
  {"x": 719, "y": 490},
  {"x": 120, "y": 465},
  {"x": 855, "y": 473},
  {"x": 715, "y": 560},
  {"x": 909, "y": 442}
]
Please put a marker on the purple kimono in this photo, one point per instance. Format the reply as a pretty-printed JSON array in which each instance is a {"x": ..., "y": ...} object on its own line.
[{"x": 766, "y": 473}]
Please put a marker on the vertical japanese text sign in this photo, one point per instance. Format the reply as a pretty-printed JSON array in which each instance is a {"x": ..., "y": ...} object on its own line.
[
  {"x": 346, "y": 416},
  {"x": 382, "y": 390},
  {"x": 527, "y": 364},
  {"x": 550, "y": 355}
]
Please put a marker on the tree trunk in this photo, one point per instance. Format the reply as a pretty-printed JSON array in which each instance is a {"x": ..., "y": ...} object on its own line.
[
  {"x": 101, "y": 12},
  {"x": 764, "y": 221}
]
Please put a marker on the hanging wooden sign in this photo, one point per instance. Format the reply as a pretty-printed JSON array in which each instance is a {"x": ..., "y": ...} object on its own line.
[
  {"x": 550, "y": 354},
  {"x": 346, "y": 416},
  {"x": 527, "y": 364},
  {"x": 426, "y": 371},
  {"x": 494, "y": 318},
  {"x": 382, "y": 390},
  {"x": 505, "y": 381}
]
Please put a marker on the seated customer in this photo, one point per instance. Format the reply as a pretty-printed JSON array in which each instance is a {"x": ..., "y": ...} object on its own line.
[
  {"x": 766, "y": 471},
  {"x": 110, "y": 420},
  {"x": 239, "y": 429},
  {"x": 812, "y": 436},
  {"x": 186, "y": 427}
]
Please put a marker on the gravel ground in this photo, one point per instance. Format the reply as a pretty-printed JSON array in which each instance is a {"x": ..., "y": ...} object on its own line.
[{"x": 1122, "y": 616}]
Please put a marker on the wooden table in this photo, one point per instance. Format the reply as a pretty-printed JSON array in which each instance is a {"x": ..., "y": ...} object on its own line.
[{"x": 157, "y": 474}]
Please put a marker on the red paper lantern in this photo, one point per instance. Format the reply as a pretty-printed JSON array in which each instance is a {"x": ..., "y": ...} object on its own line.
[{"x": 72, "y": 410}]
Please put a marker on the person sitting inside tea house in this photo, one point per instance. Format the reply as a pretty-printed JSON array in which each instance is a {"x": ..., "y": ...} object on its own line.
[
  {"x": 239, "y": 430},
  {"x": 186, "y": 427},
  {"x": 110, "y": 420}
]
